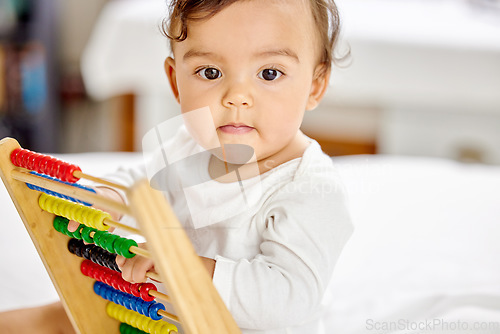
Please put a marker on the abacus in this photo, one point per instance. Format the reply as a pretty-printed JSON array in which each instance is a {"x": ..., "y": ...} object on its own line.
[{"x": 46, "y": 195}]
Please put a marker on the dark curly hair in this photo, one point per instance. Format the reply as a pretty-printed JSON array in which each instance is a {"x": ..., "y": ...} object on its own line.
[{"x": 325, "y": 15}]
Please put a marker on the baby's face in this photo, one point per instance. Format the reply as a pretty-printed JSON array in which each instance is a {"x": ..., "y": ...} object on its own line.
[{"x": 253, "y": 65}]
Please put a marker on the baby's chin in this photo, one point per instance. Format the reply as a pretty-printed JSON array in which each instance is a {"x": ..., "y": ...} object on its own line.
[{"x": 238, "y": 154}]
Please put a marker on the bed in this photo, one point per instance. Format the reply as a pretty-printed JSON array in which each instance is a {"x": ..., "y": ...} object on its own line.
[{"x": 424, "y": 255}]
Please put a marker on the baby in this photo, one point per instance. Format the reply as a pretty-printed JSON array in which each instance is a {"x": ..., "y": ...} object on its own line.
[{"x": 270, "y": 228}]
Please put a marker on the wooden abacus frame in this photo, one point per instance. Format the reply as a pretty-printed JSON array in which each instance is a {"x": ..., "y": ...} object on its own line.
[{"x": 192, "y": 293}]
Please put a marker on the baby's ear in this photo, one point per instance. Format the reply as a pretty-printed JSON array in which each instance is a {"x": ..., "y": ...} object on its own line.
[
  {"x": 172, "y": 78},
  {"x": 321, "y": 79}
]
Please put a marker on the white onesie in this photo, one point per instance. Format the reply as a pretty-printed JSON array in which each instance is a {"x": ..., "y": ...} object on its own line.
[{"x": 275, "y": 238}]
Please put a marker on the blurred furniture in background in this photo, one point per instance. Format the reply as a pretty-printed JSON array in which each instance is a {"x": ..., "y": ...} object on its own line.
[
  {"x": 29, "y": 107},
  {"x": 424, "y": 77},
  {"x": 432, "y": 68},
  {"x": 124, "y": 56}
]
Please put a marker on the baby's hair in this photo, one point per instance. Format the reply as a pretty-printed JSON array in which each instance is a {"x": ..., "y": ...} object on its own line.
[{"x": 325, "y": 15}]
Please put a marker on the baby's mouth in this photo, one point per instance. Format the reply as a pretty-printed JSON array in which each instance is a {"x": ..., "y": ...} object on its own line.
[{"x": 236, "y": 129}]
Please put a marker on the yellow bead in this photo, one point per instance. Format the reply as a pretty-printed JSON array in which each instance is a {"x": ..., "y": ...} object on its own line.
[{"x": 145, "y": 323}]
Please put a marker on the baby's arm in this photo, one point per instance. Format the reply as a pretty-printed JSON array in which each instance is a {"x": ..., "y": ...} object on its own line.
[{"x": 285, "y": 284}]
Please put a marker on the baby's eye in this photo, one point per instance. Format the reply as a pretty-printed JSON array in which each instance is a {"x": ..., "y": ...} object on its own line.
[
  {"x": 209, "y": 73},
  {"x": 270, "y": 74}
]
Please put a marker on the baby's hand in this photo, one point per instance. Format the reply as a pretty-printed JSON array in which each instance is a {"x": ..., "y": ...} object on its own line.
[
  {"x": 134, "y": 270},
  {"x": 104, "y": 192}
]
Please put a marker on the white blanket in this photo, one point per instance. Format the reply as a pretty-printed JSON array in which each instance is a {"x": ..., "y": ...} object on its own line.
[{"x": 424, "y": 255}]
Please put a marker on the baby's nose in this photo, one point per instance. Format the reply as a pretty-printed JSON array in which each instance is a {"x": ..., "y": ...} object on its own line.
[{"x": 237, "y": 96}]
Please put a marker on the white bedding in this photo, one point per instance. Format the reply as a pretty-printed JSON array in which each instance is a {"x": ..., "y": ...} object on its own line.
[{"x": 424, "y": 255}]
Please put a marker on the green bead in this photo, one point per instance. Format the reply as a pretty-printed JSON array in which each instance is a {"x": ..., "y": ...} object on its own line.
[
  {"x": 60, "y": 224},
  {"x": 110, "y": 240},
  {"x": 125, "y": 246},
  {"x": 127, "y": 329},
  {"x": 98, "y": 238},
  {"x": 123, "y": 328},
  {"x": 78, "y": 233},
  {"x": 86, "y": 231}
]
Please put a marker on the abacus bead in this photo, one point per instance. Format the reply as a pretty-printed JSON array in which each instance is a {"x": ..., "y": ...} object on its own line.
[
  {"x": 118, "y": 245},
  {"x": 144, "y": 324},
  {"x": 145, "y": 291},
  {"x": 116, "y": 282},
  {"x": 102, "y": 240},
  {"x": 78, "y": 232},
  {"x": 72, "y": 246},
  {"x": 140, "y": 307},
  {"x": 98, "y": 258},
  {"x": 20, "y": 158},
  {"x": 13, "y": 156},
  {"x": 59, "y": 223},
  {"x": 114, "y": 239},
  {"x": 78, "y": 248},
  {"x": 85, "y": 267},
  {"x": 129, "y": 317},
  {"x": 127, "y": 329},
  {"x": 125, "y": 248},
  {"x": 110, "y": 310},
  {"x": 124, "y": 328},
  {"x": 153, "y": 311},
  {"x": 135, "y": 289},
  {"x": 109, "y": 240},
  {"x": 87, "y": 251},
  {"x": 68, "y": 174},
  {"x": 97, "y": 288},
  {"x": 99, "y": 221},
  {"x": 42, "y": 164},
  {"x": 114, "y": 295},
  {"x": 86, "y": 231},
  {"x": 97, "y": 238},
  {"x": 130, "y": 302},
  {"x": 165, "y": 330},
  {"x": 113, "y": 265},
  {"x": 30, "y": 159}
]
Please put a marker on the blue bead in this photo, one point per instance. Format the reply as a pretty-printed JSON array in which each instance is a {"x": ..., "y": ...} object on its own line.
[
  {"x": 153, "y": 310},
  {"x": 143, "y": 307},
  {"x": 97, "y": 287}
]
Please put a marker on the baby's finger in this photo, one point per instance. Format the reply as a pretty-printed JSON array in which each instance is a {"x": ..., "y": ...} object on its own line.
[
  {"x": 73, "y": 226},
  {"x": 127, "y": 270},
  {"x": 140, "y": 270},
  {"x": 120, "y": 261}
]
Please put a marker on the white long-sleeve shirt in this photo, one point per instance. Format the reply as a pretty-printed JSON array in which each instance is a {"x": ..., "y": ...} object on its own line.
[{"x": 275, "y": 237}]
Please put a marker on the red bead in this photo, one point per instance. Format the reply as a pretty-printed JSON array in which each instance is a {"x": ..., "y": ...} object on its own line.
[
  {"x": 13, "y": 156},
  {"x": 92, "y": 271},
  {"x": 102, "y": 275},
  {"x": 51, "y": 167},
  {"x": 145, "y": 291},
  {"x": 20, "y": 158},
  {"x": 61, "y": 172},
  {"x": 113, "y": 281},
  {"x": 134, "y": 289},
  {"x": 126, "y": 286},
  {"x": 69, "y": 177},
  {"x": 85, "y": 268},
  {"x": 44, "y": 164}
]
